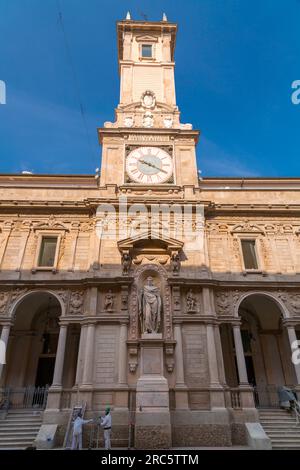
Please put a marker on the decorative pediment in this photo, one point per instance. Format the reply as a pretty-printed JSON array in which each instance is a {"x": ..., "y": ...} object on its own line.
[
  {"x": 50, "y": 225},
  {"x": 146, "y": 38},
  {"x": 132, "y": 107},
  {"x": 150, "y": 240},
  {"x": 247, "y": 227}
]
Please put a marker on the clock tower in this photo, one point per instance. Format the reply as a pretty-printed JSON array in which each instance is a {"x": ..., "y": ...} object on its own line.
[{"x": 147, "y": 145}]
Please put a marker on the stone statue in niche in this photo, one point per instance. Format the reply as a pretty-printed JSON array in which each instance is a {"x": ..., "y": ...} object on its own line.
[
  {"x": 150, "y": 305},
  {"x": 175, "y": 263},
  {"x": 109, "y": 301},
  {"x": 191, "y": 302},
  {"x": 126, "y": 262}
]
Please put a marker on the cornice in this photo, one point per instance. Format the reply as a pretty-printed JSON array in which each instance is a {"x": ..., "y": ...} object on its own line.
[{"x": 125, "y": 132}]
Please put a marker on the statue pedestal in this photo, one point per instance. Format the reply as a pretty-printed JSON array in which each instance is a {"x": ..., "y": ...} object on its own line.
[{"x": 153, "y": 424}]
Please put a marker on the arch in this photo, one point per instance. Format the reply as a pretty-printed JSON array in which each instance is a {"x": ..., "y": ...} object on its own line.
[
  {"x": 24, "y": 296},
  {"x": 284, "y": 311}
]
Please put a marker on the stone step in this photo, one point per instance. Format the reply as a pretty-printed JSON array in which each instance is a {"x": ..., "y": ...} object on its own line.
[
  {"x": 22, "y": 420},
  {"x": 285, "y": 447},
  {"x": 289, "y": 440},
  {"x": 21, "y": 439},
  {"x": 288, "y": 435},
  {"x": 15, "y": 446},
  {"x": 278, "y": 421},
  {"x": 8, "y": 427},
  {"x": 17, "y": 434}
]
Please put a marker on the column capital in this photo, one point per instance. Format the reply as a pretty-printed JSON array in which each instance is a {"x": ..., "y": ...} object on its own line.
[
  {"x": 289, "y": 322},
  {"x": 236, "y": 323},
  {"x": 6, "y": 324}
]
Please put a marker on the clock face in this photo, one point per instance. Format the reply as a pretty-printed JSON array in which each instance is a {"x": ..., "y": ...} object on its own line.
[{"x": 149, "y": 165}]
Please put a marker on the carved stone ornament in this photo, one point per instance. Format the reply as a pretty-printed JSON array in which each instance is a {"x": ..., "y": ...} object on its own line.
[
  {"x": 148, "y": 119},
  {"x": 191, "y": 302},
  {"x": 128, "y": 121},
  {"x": 109, "y": 301},
  {"x": 225, "y": 301},
  {"x": 168, "y": 122},
  {"x": 148, "y": 99},
  {"x": 175, "y": 263},
  {"x": 133, "y": 357},
  {"x": 291, "y": 300},
  {"x": 126, "y": 263},
  {"x": 169, "y": 352},
  {"x": 150, "y": 307},
  {"x": 76, "y": 302},
  {"x": 4, "y": 296}
]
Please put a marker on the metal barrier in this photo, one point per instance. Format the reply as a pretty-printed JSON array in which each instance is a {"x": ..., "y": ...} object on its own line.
[{"x": 22, "y": 398}]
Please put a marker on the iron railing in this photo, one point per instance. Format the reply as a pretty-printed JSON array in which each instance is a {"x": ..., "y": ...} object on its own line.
[{"x": 25, "y": 397}]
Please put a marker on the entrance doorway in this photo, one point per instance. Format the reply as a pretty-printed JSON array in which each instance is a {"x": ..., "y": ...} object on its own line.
[{"x": 45, "y": 371}]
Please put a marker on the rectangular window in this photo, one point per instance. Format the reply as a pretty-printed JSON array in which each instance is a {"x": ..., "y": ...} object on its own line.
[
  {"x": 249, "y": 254},
  {"x": 47, "y": 252},
  {"x": 146, "y": 50}
]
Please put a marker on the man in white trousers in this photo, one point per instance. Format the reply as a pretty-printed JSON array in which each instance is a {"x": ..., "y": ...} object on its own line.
[
  {"x": 106, "y": 425},
  {"x": 77, "y": 431}
]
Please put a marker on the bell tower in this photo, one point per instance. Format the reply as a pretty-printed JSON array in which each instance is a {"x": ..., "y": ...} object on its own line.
[
  {"x": 147, "y": 144},
  {"x": 146, "y": 61}
]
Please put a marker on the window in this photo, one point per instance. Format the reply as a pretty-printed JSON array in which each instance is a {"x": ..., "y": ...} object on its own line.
[
  {"x": 249, "y": 254},
  {"x": 146, "y": 50},
  {"x": 47, "y": 252}
]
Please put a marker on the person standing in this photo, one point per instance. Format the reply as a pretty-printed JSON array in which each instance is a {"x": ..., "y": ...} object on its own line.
[
  {"x": 106, "y": 425},
  {"x": 77, "y": 431}
]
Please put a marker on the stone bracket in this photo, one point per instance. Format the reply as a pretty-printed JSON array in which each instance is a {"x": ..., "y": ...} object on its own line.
[
  {"x": 133, "y": 349},
  {"x": 169, "y": 347}
]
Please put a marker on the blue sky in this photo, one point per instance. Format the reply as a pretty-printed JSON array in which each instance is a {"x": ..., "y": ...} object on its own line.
[{"x": 235, "y": 63}]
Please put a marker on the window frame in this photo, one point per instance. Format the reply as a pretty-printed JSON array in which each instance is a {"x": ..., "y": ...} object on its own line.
[
  {"x": 152, "y": 45},
  {"x": 42, "y": 235},
  {"x": 258, "y": 262}
]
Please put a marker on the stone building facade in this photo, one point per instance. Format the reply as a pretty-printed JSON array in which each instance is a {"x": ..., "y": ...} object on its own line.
[{"x": 73, "y": 263}]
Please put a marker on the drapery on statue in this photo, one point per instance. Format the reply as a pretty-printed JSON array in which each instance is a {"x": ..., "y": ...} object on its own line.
[{"x": 150, "y": 305}]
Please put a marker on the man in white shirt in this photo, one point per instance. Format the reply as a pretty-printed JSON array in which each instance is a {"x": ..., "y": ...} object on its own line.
[
  {"x": 106, "y": 424},
  {"x": 77, "y": 431}
]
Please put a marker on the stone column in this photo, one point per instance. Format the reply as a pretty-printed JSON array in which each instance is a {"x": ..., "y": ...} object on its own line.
[
  {"x": 293, "y": 339},
  {"x": 60, "y": 357},
  {"x": 53, "y": 402},
  {"x": 80, "y": 355},
  {"x": 121, "y": 395},
  {"x": 181, "y": 392},
  {"x": 87, "y": 380},
  {"x": 240, "y": 358},
  {"x": 246, "y": 391},
  {"x": 4, "y": 342},
  {"x": 123, "y": 355},
  {"x": 217, "y": 398},
  {"x": 220, "y": 358}
]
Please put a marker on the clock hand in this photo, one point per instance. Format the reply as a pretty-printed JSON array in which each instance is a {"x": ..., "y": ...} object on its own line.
[{"x": 153, "y": 166}]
